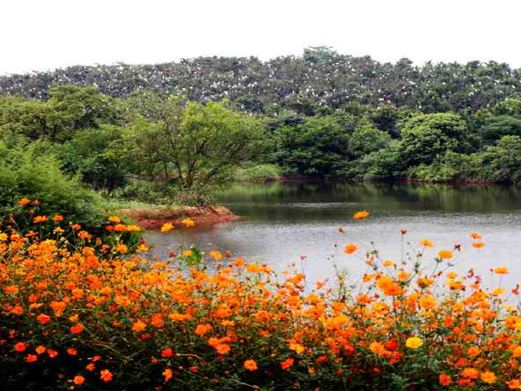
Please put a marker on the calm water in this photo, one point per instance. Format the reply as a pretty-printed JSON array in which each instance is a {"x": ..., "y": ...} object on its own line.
[{"x": 282, "y": 222}]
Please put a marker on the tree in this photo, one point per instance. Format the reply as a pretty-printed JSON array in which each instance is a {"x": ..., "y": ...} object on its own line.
[
  {"x": 495, "y": 127},
  {"x": 502, "y": 162},
  {"x": 317, "y": 147},
  {"x": 96, "y": 156},
  {"x": 69, "y": 109},
  {"x": 195, "y": 146},
  {"x": 427, "y": 136},
  {"x": 367, "y": 139}
]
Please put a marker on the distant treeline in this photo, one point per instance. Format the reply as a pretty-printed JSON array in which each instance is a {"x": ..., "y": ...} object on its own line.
[{"x": 320, "y": 79}]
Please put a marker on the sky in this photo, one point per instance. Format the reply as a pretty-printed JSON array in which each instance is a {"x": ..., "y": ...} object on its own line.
[{"x": 49, "y": 34}]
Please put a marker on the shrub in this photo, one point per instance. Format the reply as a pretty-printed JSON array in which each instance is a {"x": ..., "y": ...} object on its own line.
[
  {"x": 72, "y": 319},
  {"x": 26, "y": 172},
  {"x": 258, "y": 173}
]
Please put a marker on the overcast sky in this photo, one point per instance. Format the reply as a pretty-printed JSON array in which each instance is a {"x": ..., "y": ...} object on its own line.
[{"x": 46, "y": 34}]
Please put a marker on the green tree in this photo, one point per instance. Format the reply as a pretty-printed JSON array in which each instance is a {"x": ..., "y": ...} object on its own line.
[
  {"x": 427, "y": 136},
  {"x": 195, "y": 146},
  {"x": 502, "y": 162},
  {"x": 495, "y": 127},
  {"x": 95, "y": 155},
  {"x": 318, "y": 147},
  {"x": 68, "y": 110},
  {"x": 367, "y": 139}
]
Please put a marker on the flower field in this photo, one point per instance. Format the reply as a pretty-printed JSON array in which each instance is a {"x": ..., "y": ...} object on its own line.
[{"x": 95, "y": 316}]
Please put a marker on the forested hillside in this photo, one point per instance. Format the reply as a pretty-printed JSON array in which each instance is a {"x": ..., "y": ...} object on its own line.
[{"x": 319, "y": 79}]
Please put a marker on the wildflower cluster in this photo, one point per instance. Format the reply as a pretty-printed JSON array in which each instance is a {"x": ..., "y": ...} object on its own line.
[
  {"x": 74, "y": 318},
  {"x": 28, "y": 219}
]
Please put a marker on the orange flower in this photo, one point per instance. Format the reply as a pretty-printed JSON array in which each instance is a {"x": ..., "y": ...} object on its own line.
[
  {"x": 78, "y": 380},
  {"x": 52, "y": 353},
  {"x": 222, "y": 348},
  {"x": 139, "y": 326},
  {"x": 43, "y": 319},
  {"x": 216, "y": 255},
  {"x": 478, "y": 244},
  {"x": 72, "y": 352},
  {"x": 187, "y": 222},
  {"x": 475, "y": 235},
  {"x": 40, "y": 349},
  {"x": 84, "y": 235},
  {"x": 167, "y": 373},
  {"x": 24, "y": 202},
  {"x": 287, "y": 363},
  {"x": 20, "y": 347},
  {"x": 427, "y": 302},
  {"x": 445, "y": 254},
  {"x": 426, "y": 243},
  {"x": 57, "y": 218},
  {"x": 31, "y": 358},
  {"x": 488, "y": 377},
  {"x": 350, "y": 248},
  {"x": 76, "y": 329},
  {"x": 296, "y": 347},
  {"x": 470, "y": 373},
  {"x": 501, "y": 270},
  {"x": 250, "y": 365},
  {"x": 114, "y": 219},
  {"x": 121, "y": 248},
  {"x": 40, "y": 219},
  {"x": 360, "y": 215},
  {"x": 106, "y": 375},
  {"x": 167, "y": 353},
  {"x": 444, "y": 379},
  {"x": 378, "y": 348},
  {"x": 202, "y": 329},
  {"x": 11, "y": 289}
]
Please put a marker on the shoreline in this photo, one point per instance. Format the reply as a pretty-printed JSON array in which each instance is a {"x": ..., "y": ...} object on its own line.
[{"x": 153, "y": 218}]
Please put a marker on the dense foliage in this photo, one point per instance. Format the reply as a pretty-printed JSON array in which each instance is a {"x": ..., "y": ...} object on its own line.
[
  {"x": 180, "y": 130},
  {"x": 320, "y": 78},
  {"x": 78, "y": 319}
]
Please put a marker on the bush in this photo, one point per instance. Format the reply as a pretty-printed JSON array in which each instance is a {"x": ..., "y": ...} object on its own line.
[
  {"x": 449, "y": 167},
  {"x": 74, "y": 319},
  {"x": 25, "y": 172},
  {"x": 259, "y": 173}
]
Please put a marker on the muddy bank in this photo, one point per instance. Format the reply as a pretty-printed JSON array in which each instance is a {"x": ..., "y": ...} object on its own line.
[{"x": 154, "y": 218}]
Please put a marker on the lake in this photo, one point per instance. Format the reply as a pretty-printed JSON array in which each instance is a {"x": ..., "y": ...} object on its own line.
[{"x": 280, "y": 223}]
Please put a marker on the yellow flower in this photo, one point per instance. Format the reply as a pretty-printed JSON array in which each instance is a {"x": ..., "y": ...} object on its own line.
[
  {"x": 414, "y": 342},
  {"x": 167, "y": 227},
  {"x": 188, "y": 222}
]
